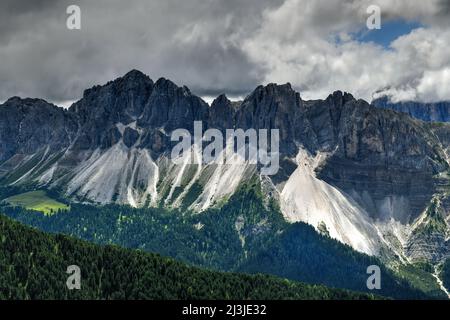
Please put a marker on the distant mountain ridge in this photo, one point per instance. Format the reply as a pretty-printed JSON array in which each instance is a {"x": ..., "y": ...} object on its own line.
[{"x": 433, "y": 111}]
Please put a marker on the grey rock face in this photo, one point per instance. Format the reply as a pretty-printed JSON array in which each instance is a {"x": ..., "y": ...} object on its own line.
[
  {"x": 438, "y": 111},
  {"x": 429, "y": 240},
  {"x": 102, "y": 107},
  {"x": 324, "y": 118},
  {"x": 380, "y": 157},
  {"x": 431, "y": 247},
  {"x": 171, "y": 107},
  {"x": 135, "y": 98},
  {"x": 109, "y": 139},
  {"x": 26, "y": 125},
  {"x": 274, "y": 107},
  {"x": 222, "y": 113},
  {"x": 130, "y": 137}
]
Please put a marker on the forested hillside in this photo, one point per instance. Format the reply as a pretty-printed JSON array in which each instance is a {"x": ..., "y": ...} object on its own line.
[
  {"x": 243, "y": 235},
  {"x": 33, "y": 266}
]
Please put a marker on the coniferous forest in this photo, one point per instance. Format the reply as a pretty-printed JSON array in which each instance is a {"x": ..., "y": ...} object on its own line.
[{"x": 33, "y": 265}]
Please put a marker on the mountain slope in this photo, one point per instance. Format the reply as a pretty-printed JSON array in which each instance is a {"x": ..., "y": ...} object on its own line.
[
  {"x": 244, "y": 235},
  {"x": 33, "y": 266}
]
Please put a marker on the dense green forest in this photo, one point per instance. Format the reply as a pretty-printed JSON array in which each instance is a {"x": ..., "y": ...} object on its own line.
[
  {"x": 300, "y": 253},
  {"x": 244, "y": 235},
  {"x": 33, "y": 266}
]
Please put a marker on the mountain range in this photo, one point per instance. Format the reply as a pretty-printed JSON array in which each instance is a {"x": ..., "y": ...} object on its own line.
[{"x": 366, "y": 175}]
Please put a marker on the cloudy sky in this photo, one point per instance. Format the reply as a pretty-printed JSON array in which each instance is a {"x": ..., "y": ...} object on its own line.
[{"x": 228, "y": 46}]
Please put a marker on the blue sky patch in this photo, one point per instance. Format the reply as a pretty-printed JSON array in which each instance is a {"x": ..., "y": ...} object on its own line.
[{"x": 390, "y": 30}]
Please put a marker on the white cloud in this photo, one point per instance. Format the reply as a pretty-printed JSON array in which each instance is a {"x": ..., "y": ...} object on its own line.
[
  {"x": 435, "y": 85},
  {"x": 296, "y": 44}
]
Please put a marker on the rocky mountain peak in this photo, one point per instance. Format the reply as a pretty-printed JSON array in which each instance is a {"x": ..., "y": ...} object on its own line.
[
  {"x": 222, "y": 113},
  {"x": 28, "y": 102},
  {"x": 133, "y": 81},
  {"x": 165, "y": 86},
  {"x": 221, "y": 100},
  {"x": 27, "y": 125},
  {"x": 17, "y": 100},
  {"x": 273, "y": 107},
  {"x": 103, "y": 107},
  {"x": 136, "y": 75},
  {"x": 339, "y": 98},
  {"x": 122, "y": 100},
  {"x": 171, "y": 107},
  {"x": 273, "y": 90}
]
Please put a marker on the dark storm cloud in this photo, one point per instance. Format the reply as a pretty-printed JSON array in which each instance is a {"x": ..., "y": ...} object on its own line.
[
  {"x": 195, "y": 42},
  {"x": 444, "y": 7},
  {"x": 217, "y": 46},
  {"x": 15, "y": 15},
  {"x": 21, "y": 7}
]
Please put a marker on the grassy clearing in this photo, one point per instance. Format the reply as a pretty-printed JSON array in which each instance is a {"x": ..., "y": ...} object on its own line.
[{"x": 38, "y": 201}]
